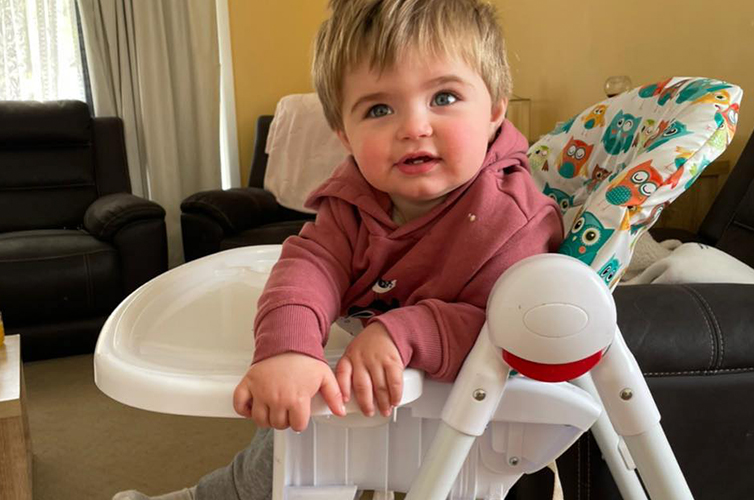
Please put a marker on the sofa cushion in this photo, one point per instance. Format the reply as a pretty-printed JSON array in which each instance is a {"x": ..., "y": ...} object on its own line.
[
  {"x": 60, "y": 274},
  {"x": 34, "y": 122},
  {"x": 47, "y": 175}
]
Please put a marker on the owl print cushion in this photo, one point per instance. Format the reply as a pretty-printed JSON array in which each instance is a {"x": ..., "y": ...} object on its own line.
[{"x": 614, "y": 167}]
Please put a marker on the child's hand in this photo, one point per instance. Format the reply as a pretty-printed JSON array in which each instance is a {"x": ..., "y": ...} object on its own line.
[
  {"x": 373, "y": 363},
  {"x": 277, "y": 391}
]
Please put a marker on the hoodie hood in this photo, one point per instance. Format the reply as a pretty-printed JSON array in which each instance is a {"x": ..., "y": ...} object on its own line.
[{"x": 508, "y": 150}]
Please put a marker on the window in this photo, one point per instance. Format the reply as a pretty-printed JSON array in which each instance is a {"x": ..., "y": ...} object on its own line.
[{"x": 40, "y": 51}]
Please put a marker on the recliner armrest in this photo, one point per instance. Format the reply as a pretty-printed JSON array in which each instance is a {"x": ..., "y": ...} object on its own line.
[
  {"x": 238, "y": 209},
  {"x": 108, "y": 214},
  {"x": 698, "y": 328}
]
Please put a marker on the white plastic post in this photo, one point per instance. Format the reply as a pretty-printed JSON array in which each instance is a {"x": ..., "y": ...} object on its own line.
[
  {"x": 467, "y": 411},
  {"x": 609, "y": 441},
  {"x": 634, "y": 414},
  {"x": 441, "y": 464}
]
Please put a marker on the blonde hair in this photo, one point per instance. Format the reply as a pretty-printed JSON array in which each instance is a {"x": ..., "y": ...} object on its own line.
[{"x": 381, "y": 31}]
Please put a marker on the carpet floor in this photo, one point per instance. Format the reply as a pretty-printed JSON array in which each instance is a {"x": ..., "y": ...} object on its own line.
[{"x": 88, "y": 447}]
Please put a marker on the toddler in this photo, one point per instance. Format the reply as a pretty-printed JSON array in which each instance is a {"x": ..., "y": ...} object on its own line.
[{"x": 413, "y": 229}]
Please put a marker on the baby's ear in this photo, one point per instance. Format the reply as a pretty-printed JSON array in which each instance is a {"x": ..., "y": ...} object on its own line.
[
  {"x": 498, "y": 115},
  {"x": 344, "y": 140}
]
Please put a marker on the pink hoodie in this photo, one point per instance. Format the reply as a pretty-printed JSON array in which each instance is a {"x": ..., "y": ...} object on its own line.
[{"x": 426, "y": 281}]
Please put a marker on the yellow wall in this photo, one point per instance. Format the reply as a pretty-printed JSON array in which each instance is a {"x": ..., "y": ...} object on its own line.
[
  {"x": 560, "y": 53},
  {"x": 271, "y": 44}
]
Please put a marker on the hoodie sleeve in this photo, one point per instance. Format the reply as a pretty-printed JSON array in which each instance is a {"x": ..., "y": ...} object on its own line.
[
  {"x": 302, "y": 296},
  {"x": 435, "y": 336}
]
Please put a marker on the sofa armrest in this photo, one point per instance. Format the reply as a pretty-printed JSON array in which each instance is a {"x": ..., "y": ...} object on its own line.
[
  {"x": 701, "y": 328},
  {"x": 693, "y": 344},
  {"x": 110, "y": 213},
  {"x": 238, "y": 209}
]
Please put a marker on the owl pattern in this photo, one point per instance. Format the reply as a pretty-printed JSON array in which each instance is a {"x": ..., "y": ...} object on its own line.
[
  {"x": 646, "y": 130},
  {"x": 668, "y": 93},
  {"x": 700, "y": 88},
  {"x": 653, "y": 89},
  {"x": 634, "y": 185},
  {"x": 696, "y": 171},
  {"x": 620, "y": 133},
  {"x": 609, "y": 271},
  {"x": 730, "y": 119},
  {"x": 585, "y": 238},
  {"x": 672, "y": 131},
  {"x": 595, "y": 118},
  {"x": 650, "y": 219},
  {"x": 562, "y": 198},
  {"x": 634, "y": 137},
  {"x": 574, "y": 157},
  {"x": 598, "y": 175},
  {"x": 538, "y": 158}
]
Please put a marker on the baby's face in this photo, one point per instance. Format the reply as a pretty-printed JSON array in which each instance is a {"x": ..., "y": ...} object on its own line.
[{"x": 420, "y": 129}]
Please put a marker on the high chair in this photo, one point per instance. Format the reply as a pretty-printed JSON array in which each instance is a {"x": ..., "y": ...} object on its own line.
[{"x": 546, "y": 363}]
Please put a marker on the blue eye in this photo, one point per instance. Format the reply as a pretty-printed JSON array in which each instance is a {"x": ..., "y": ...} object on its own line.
[
  {"x": 379, "y": 110},
  {"x": 443, "y": 99}
]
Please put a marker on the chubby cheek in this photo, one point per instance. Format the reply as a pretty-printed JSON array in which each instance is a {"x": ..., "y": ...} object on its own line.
[
  {"x": 465, "y": 148},
  {"x": 371, "y": 157}
]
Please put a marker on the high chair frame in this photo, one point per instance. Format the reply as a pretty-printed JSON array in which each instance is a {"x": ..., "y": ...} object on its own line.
[{"x": 550, "y": 318}]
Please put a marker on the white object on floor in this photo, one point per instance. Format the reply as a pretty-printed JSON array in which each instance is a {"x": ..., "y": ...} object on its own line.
[
  {"x": 696, "y": 263},
  {"x": 303, "y": 150}
]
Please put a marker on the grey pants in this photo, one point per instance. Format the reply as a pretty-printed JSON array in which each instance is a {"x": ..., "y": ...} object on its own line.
[{"x": 248, "y": 477}]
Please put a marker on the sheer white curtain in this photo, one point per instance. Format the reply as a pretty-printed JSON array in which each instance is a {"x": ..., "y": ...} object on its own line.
[
  {"x": 155, "y": 64},
  {"x": 40, "y": 56}
]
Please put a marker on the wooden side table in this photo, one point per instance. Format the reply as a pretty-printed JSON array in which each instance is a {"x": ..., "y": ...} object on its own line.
[{"x": 15, "y": 441}]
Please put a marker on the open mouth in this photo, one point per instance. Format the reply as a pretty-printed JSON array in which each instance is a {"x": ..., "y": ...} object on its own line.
[
  {"x": 419, "y": 163},
  {"x": 418, "y": 160}
]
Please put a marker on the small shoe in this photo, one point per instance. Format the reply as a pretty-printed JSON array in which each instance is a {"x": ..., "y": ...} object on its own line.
[{"x": 184, "y": 494}]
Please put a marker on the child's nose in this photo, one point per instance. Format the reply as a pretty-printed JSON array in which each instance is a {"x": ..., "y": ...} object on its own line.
[{"x": 414, "y": 126}]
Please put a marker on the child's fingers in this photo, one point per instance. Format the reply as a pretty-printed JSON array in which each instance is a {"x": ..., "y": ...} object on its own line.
[
  {"x": 260, "y": 414},
  {"x": 343, "y": 372},
  {"x": 298, "y": 416},
  {"x": 362, "y": 387},
  {"x": 278, "y": 417},
  {"x": 380, "y": 388},
  {"x": 242, "y": 400},
  {"x": 331, "y": 393},
  {"x": 394, "y": 375}
]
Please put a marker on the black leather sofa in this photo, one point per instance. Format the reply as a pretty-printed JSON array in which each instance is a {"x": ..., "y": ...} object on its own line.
[
  {"x": 694, "y": 343},
  {"x": 74, "y": 241},
  {"x": 219, "y": 220}
]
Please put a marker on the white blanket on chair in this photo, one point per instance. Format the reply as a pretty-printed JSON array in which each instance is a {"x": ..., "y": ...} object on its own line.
[
  {"x": 695, "y": 263},
  {"x": 303, "y": 150}
]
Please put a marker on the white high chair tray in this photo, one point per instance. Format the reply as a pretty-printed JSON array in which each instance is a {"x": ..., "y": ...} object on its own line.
[{"x": 181, "y": 342}]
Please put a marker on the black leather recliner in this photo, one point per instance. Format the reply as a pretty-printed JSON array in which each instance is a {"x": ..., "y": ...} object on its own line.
[
  {"x": 217, "y": 220},
  {"x": 694, "y": 342},
  {"x": 74, "y": 241}
]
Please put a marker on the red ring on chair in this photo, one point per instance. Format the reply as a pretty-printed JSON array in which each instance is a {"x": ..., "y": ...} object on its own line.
[{"x": 551, "y": 373}]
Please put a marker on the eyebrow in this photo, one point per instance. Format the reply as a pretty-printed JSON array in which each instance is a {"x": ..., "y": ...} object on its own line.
[{"x": 435, "y": 82}]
